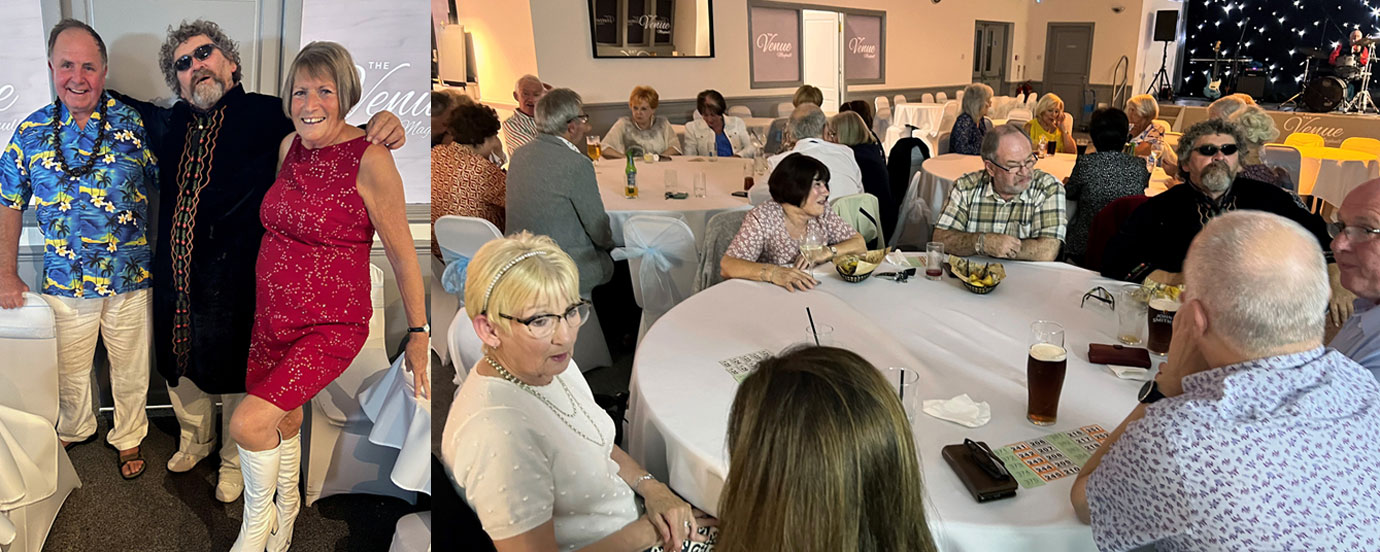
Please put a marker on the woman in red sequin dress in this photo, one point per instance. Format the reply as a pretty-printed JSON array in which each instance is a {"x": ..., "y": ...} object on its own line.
[{"x": 334, "y": 190}]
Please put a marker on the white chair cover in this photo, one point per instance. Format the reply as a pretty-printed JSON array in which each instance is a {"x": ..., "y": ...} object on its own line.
[
  {"x": 35, "y": 478},
  {"x": 950, "y": 115},
  {"x": 879, "y": 103},
  {"x": 413, "y": 533},
  {"x": 943, "y": 143},
  {"x": 1031, "y": 101},
  {"x": 455, "y": 235},
  {"x": 898, "y": 99},
  {"x": 784, "y": 109},
  {"x": 927, "y": 98},
  {"x": 737, "y": 111},
  {"x": 1286, "y": 157},
  {"x": 941, "y": 97},
  {"x": 466, "y": 348},
  {"x": 662, "y": 259},
  {"x": 718, "y": 234},
  {"x": 959, "y": 95},
  {"x": 29, "y": 333},
  {"x": 881, "y": 121},
  {"x": 338, "y": 455},
  {"x": 1171, "y": 139},
  {"x": 851, "y": 208},
  {"x": 402, "y": 422}
]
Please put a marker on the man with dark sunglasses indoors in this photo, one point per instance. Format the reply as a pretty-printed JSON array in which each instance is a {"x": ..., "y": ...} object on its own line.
[
  {"x": 217, "y": 154},
  {"x": 1153, "y": 242}
]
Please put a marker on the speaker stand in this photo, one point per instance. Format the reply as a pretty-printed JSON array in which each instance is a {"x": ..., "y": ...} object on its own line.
[{"x": 1161, "y": 79}]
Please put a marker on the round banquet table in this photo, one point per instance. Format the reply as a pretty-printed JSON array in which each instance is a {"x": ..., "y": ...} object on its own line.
[
  {"x": 957, "y": 341},
  {"x": 1331, "y": 173},
  {"x": 722, "y": 178},
  {"x": 926, "y": 117}
]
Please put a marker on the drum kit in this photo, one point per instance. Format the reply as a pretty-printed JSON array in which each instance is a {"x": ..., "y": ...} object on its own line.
[{"x": 1327, "y": 90}]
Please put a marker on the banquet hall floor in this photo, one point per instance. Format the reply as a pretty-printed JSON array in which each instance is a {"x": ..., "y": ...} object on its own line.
[{"x": 166, "y": 512}]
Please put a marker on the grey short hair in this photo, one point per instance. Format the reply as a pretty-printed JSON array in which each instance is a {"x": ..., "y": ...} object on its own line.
[
  {"x": 808, "y": 122},
  {"x": 1207, "y": 128},
  {"x": 975, "y": 98},
  {"x": 70, "y": 23},
  {"x": 1262, "y": 279},
  {"x": 186, "y": 31},
  {"x": 1255, "y": 124},
  {"x": 1225, "y": 106},
  {"x": 991, "y": 142},
  {"x": 1144, "y": 105},
  {"x": 323, "y": 59},
  {"x": 556, "y": 109}
]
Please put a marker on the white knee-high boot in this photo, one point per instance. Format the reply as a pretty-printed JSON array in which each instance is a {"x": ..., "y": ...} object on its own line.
[
  {"x": 260, "y": 471},
  {"x": 289, "y": 499}
]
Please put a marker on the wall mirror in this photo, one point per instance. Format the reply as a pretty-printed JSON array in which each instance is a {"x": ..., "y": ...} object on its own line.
[{"x": 652, "y": 28}]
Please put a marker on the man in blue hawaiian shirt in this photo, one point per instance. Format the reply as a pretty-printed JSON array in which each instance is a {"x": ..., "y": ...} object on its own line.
[{"x": 86, "y": 164}]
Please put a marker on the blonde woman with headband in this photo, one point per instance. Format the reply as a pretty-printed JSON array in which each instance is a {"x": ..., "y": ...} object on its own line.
[{"x": 525, "y": 442}]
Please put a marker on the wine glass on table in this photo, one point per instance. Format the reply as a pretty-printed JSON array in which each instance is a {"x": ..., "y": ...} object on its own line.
[{"x": 812, "y": 242}]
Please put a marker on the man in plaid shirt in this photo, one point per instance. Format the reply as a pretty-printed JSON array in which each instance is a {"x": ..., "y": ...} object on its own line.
[{"x": 1008, "y": 210}]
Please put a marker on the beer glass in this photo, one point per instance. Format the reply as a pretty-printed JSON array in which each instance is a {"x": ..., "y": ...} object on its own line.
[
  {"x": 1161, "y": 321},
  {"x": 1130, "y": 315},
  {"x": 592, "y": 148},
  {"x": 1044, "y": 367}
]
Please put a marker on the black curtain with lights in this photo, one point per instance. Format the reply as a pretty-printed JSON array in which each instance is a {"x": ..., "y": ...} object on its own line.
[{"x": 1277, "y": 37}]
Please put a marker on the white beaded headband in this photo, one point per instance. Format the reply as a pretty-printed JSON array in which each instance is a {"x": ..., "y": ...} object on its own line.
[{"x": 500, "y": 274}]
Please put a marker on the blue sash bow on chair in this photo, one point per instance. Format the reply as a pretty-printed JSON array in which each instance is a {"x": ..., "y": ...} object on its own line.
[{"x": 453, "y": 278}]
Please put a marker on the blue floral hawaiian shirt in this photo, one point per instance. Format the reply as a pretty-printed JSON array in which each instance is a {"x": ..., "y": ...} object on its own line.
[{"x": 93, "y": 225}]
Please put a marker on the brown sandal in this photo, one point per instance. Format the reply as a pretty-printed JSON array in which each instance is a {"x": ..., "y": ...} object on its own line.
[{"x": 125, "y": 460}]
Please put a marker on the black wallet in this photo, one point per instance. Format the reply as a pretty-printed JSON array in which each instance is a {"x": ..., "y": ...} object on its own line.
[{"x": 980, "y": 471}]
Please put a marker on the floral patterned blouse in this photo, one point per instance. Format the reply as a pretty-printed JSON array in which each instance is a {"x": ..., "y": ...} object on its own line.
[{"x": 763, "y": 238}]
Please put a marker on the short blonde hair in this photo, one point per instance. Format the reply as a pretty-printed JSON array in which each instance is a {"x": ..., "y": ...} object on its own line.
[
  {"x": 1047, "y": 102},
  {"x": 851, "y": 129},
  {"x": 322, "y": 59},
  {"x": 548, "y": 275},
  {"x": 808, "y": 94},
  {"x": 646, "y": 94},
  {"x": 1144, "y": 105}
]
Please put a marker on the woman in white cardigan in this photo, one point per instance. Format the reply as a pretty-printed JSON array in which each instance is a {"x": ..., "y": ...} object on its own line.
[{"x": 716, "y": 132}]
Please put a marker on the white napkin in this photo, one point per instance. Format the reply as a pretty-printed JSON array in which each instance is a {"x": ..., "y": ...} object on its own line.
[
  {"x": 897, "y": 258},
  {"x": 1130, "y": 372},
  {"x": 960, "y": 410}
]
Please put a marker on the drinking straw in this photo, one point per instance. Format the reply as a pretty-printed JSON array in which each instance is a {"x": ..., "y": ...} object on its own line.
[
  {"x": 903, "y": 385},
  {"x": 812, "y": 325}
]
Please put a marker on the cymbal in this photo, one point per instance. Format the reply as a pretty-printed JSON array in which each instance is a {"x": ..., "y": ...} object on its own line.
[
  {"x": 1315, "y": 52},
  {"x": 1367, "y": 41}
]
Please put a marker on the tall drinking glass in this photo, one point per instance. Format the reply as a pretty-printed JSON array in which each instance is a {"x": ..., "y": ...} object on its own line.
[
  {"x": 934, "y": 260},
  {"x": 812, "y": 242},
  {"x": 1160, "y": 315},
  {"x": 592, "y": 147},
  {"x": 1045, "y": 366},
  {"x": 1130, "y": 314}
]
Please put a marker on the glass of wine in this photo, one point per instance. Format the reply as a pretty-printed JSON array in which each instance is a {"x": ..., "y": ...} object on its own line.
[{"x": 812, "y": 242}]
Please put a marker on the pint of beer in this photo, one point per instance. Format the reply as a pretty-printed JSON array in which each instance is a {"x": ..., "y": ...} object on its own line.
[
  {"x": 593, "y": 148},
  {"x": 1161, "y": 321},
  {"x": 1045, "y": 367}
]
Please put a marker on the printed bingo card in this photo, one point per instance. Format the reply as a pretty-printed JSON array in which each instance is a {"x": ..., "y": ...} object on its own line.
[{"x": 1055, "y": 456}]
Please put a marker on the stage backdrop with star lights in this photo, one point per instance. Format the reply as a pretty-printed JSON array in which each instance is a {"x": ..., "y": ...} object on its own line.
[{"x": 1275, "y": 34}]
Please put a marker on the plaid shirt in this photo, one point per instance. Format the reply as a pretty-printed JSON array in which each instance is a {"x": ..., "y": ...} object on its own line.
[{"x": 973, "y": 207}]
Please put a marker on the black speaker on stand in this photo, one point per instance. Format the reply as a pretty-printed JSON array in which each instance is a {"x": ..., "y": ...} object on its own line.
[{"x": 1166, "y": 26}]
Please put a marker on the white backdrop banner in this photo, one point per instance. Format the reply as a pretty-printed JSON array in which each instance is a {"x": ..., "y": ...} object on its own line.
[
  {"x": 23, "y": 65},
  {"x": 391, "y": 48}
]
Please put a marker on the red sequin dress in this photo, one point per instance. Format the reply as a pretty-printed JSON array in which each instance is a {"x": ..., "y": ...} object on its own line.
[{"x": 312, "y": 295}]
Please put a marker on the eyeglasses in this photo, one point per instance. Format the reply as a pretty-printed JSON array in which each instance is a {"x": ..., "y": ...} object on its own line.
[
  {"x": 1101, "y": 294},
  {"x": 1027, "y": 166},
  {"x": 1354, "y": 233},
  {"x": 201, "y": 52},
  {"x": 542, "y": 326},
  {"x": 987, "y": 460},
  {"x": 1210, "y": 150},
  {"x": 581, "y": 117}
]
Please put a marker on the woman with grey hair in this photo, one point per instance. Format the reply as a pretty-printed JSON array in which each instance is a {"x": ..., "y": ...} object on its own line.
[
  {"x": 1146, "y": 135},
  {"x": 334, "y": 191},
  {"x": 1258, "y": 128},
  {"x": 972, "y": 124}
]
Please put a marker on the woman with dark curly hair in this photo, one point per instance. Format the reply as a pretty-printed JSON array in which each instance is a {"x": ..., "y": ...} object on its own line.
[{"x": 463, "y": 180}]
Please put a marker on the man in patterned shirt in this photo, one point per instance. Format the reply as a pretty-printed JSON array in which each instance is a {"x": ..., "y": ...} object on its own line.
[
  {"x": 1253, "y": 436},
  {"x": 86, "y": 163},
  {"x": 522, "y": 127},
  {"x": 1008, "y": 210}
]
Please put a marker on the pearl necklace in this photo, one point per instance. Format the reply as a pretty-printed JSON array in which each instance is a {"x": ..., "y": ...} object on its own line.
[{"x": 562, "y": 415}]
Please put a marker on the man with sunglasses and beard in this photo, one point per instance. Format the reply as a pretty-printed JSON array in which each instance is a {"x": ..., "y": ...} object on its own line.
[
  {"x": 1152, "y": 243},
  {"x": 217, "y": 151}
]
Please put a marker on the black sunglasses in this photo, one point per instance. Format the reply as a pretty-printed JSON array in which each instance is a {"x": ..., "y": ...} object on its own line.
[
  {"x": 1211, "y": 150},
  {"x": 201, "y": 52}
]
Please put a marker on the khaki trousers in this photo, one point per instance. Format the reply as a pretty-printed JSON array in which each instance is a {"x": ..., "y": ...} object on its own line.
[
  {"x": 196, "y": 414},
  {"x": 123, "y": 321}
]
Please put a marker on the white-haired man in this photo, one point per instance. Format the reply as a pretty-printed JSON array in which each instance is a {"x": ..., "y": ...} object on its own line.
[
  {"x": 521, "y": 128},
  {"x": 807, "y": 125},
  {"x": 1253, "y": 435},
  {"x": 1357, "y": 248}
]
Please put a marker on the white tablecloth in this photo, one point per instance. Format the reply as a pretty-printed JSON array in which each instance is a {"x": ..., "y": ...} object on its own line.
[
  {"x": 401, "y": 421},
  {"x": 959, "y": 343},
  {"x": 722, "y": 178},
  {"x": 1331, "y": 173},
  {"x": 926, "y": 118}
]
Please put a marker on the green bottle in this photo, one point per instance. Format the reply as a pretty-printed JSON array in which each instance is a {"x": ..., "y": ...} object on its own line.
[{"x": 631, "y": 191}]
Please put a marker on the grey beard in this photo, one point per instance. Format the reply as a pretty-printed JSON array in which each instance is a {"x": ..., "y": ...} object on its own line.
[
  {"x": 206, "y": 95},
  {"x": 1217, "y": 177}
]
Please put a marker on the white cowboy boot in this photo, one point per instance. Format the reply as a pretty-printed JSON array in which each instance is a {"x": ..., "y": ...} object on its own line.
[
  {"x": 289, "y": 499},
  {"x": 260, "y": 471}
]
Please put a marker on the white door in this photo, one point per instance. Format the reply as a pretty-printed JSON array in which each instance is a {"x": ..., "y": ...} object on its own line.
[{"x": 823, "y": 56}]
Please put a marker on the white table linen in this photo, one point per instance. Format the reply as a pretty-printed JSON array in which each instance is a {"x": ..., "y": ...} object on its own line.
[
  {"x": 926, "y": 117},
  {"x": 401, "y": 421},
  {"x": 722, "y": 178},
  {"x": 957, "y": 341},
  {"x": 1332, "y": 179}
]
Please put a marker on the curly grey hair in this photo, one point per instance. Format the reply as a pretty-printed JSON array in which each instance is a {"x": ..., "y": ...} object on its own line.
[
  {"x": 1208, "y": 128},
  {"x": 186, "y": 32}
]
